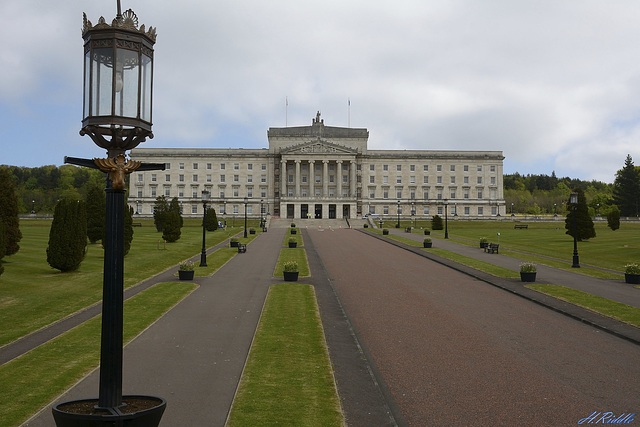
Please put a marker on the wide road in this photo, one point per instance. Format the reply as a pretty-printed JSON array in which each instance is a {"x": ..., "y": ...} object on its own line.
[{"x": 457, "y": 351}]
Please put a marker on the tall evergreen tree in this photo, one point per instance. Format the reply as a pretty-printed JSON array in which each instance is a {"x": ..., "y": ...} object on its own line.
[
  {"x": 160, "y": 209},
  {"x": 436, "y": 223},
  {"x": 9, "y": 212},
  {"x": 68, "y": 235},
  {"x": 171, "y": 226},
  {"x": 128, "y": 228},
  {"x": 211, "y": 223},
  {"x": 626, "y": 189},
  {"x": 174, "y": 206},
  {"x": 3, "y": 245},
  {"x": 613, "y": 218},
  {"x": 96, "y": 205},
  {"x": 584, "y": 224}
]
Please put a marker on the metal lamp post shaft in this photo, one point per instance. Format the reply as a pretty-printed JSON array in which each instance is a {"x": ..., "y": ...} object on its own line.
[{"x": 203, "y": 254}]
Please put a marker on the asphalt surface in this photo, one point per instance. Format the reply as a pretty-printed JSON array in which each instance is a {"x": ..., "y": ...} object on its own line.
[{"x": 414, "y": 340}]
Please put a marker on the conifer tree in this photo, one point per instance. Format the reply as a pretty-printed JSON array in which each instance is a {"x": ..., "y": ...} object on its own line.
[
  {"x": 174, "y": 206},
  {"x": 436, "y": 223},
  {"x": 211, "y": 223},
  {"x": 613, "y": 218},
  {"x": 171, "y": 226},
  {"x": 160, "y": 209},
  {"x": 96, "y": 205},
  {"x": 68, "y": 235},
  {"x": 9, "y": 212},
  {"x": 3, "y": 245},
  {"x": 584, "y": 224},
  {"x": 626, "y": 189}
]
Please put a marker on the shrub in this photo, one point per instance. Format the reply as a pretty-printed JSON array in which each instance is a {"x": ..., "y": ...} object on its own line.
[
  {"x": 527, "y": 267},
  {"x": 128, "y": 228},
  {"x": 436, "y": 223},
  {"x": 187, "y": 266},
  {"x": 96, "y": 205},
  {"x": 293, "y": 240},
  {"x": 211, "y": 223},
  {"x": 9, "y": 212},
  {"x": 613, "y": 218},
  {"x": 3, "y": 245},
  {"x": 484, "y": 240},
  {"x": 427, "y": 240},
  {"x": 68, "y": 235},
  {"x": 632, "y": 268},
  {"x": 290, "y": 266}
]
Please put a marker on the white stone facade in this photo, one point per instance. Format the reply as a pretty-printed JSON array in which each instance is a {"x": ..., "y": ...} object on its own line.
[{"x": 320, "y": 171}]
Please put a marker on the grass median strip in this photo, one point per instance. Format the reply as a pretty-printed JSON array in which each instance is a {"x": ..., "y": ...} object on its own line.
[
  {"x": 292, "y": 254},
  {"x": 604, "y": 306},
  {"x": 288, "y": 378},
  {"x": 34, "y": 379}
]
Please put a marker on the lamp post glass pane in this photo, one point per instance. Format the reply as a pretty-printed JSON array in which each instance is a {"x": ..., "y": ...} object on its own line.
[
  {"x": 126, "y": 83},
  {"x": 147, "y": 79},
  {"x": 101, "y": 82},
  {"x": 87, "y": 77}
]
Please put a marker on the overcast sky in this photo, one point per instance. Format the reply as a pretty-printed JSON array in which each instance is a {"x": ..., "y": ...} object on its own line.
[{"x": 553, "y": 84}]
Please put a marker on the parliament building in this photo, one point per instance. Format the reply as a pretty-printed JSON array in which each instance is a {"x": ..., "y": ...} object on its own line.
[{"x": 322, "y": 171}]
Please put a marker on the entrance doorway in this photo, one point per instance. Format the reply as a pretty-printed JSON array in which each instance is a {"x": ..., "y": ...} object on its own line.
[
  {"x": 318, "y": 211},
  {"x": 304, "y": 211},
  {"x": 346, "y": 209},
  {"x": 290, "y": 210},
  {"x": 332, "y": 211}
]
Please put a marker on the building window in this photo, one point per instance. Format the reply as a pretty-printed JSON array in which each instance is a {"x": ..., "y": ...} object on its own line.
[
  {"x": 479, "y": 168},
  {"x": 209, "y": 166},
  {"x": 317, "y": 179},
  {"x": 330, "y": 178},
  {"x": 453, "y": 168},
  {"x": 372, "y": 179},
  {"x": 249, "y": 178},
  {"x": 385, "y": 179},
  {"x": 331, "y": 166},
  {"x": 372, "y": 209},
  {"x": 235, "y": 209},
  {"x": 385, "y": 210},
  {"x": 181, "y": 166},
  {"x": 466, "y": 194},
  {"x": 494, "y": 211},
  {"x": 290, "y": 178},
  {"x": 345, "y": 178},
  {"x": 263, "y": 192},
  {"x": 493, "y": 168},
  {"x": 153, "y": 177},
  {"x": 304, "y": 178},
  {"x": 235, "y": 192},
  {"x": 439, "y": 180},
  {"x": 398, "y": 180},
  {"x": 426, "y": 168},
  {"x": 139, "y": 193},
  {"x": 249, "y": 209},
  {"x": 264, "y": 166},
  {"x": 167, "y": 166},
  {"x": 209, "y": 178},
  {"x": 453, "y": 179},
  {"x": 372, "y": 168},
  {"x": 453, "y": 194},
  {"x": 412, "y": 194},
  {"x": 263, "y": 178},
  {"x": 194, "y": 193},
  {"x": 385, "y": 167},
  {"x": 426, "y": 180},
  {"x": 195, "y": 178},
  {"x": 466, "y": 210},
  {"x": 426, "y": 194},
  {"x": 385, "y": 194},
  {"x": 195, "y": 166},
  {"x": 222, "y": 178},
  {"x": 479, "y": 180},
  {"x": 139, "y": 177},
  {"x": 440, "y": 210},
  {"x": 236, "y": 166},
  {"x": 181, "y": 177},
  {"x": 480, "y": 210},
  {"x": 426, "y": 210},
  {"x": 167, "y": 178},
  {"x": 250, "y": 166},
  {"x": 439, "y": 168},
  {"x": 412, "y": 179},
  {"x": 249, "y": 192},
  {"x": 412, "y": 168},
  {"x": 372, "y": 193},
  {"x": 167, "y": 191},
  {"x": 180, "y": 192},
  {"x": 493, "y": 180},
  {"x": 479, "y": 194},
  {"x": 222, "y": 166},
  {"x": 399, "y": 194},
  {"x": 399, "y": 168},
  {"x": 194, "y": 209},
  {"x": 466, "y": 179},
  {"x": 236, "y": 178}
]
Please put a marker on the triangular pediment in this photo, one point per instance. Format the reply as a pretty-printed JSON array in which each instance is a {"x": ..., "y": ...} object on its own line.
[{"x": 317, "y": 145}]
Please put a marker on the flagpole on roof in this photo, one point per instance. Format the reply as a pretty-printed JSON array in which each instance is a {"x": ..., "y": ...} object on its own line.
[{"x": 349, "y": 113}]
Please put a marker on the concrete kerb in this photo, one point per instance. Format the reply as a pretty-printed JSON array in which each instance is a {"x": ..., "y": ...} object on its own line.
[{"x": 606, "y": 324}]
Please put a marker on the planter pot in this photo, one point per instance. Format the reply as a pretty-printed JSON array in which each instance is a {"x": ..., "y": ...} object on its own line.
[
  {"x": 294, "y": 231},
  {"x": 186, "y": 274},
  {"x": 484, "y": 245},
  {"x": 528, "y": 277},
  {"x": 385, "y": 232},
  {"x": 293, "y": 245},
  {"x": 141, "y": 411},
  {"x": 427, "y": 245},
  {"x": 252, "y": 231},
  {"x": 290, "y": 276},
  {"x": 427, "y": 232},
  {"x": 632, "y": 278},
  {"x": 366, "y": 226},
  {"x": 233, "y": 244}
]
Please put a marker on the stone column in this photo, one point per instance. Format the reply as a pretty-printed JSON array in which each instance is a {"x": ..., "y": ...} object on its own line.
[
  {"x": 325, "y": 178},
  {"x": 339, "y": 179},
  {"x": 312, "y": 178},
  {"x": 297, "y": 178},
  {"x": 352, "y": 179},
  {"x": 283, "y": 178}
]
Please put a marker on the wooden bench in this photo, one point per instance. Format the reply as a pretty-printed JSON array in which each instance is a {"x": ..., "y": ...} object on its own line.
[
  {"x": 521, "y": 226},
  {"x": 492, "y": 248},
  {"x": 242, "y": 248},
  {"x": 136, "y": 224}
]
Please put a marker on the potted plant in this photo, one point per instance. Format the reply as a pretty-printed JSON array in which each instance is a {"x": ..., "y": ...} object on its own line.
[
  {"x": 294, "y": 231},
  {"x": 293, "y": 242},
  {"x": 427, "y": 232},
  {"x": 528, "y": 272},
  {"x": 186, "y": 270},
  {"x": 252, "y": 231},
  {"x": 293, "y": 225},
  {"x": 427, "y": 243},
  {"x": 290, "y": 271},
  {"x": 632, "y": 273},
  {"x": 233, "y": 243},
  {"x": 385, "y": 231},
  {"x": 484, "y": 242}
]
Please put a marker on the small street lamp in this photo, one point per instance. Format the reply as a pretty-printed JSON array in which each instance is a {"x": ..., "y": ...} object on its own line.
[
  {"x": 512, "y": 209},
  {"x": 573, "y": 199},
  {"x": 398, "y": 212},
  {"x": 446, "y": 219},
  {"x": 245, "y": 216},
  {"x": 555, "y": 214},
  {"x": 261, "y": 214},
  {"x": 203, "y": 254}
]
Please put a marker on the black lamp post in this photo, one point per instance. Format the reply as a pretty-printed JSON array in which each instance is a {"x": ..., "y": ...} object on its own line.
[
  {"x": 573, "y": 199},
  {"x": 261, "y": 214},
  {"x": 446, "y": 219},
  {"x": 203, "y": 254},
  {"x": 398, "y": 212},
  {"x": 245, "y": 216},
  {"x": 118, "y": 77}
]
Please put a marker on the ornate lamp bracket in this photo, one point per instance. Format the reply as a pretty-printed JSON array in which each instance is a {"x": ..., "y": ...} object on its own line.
[{"x": 117, "y": 169}]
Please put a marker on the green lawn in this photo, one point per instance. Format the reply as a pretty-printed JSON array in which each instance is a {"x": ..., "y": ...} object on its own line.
[
  {"x": 33, "y": 295},
  {"x": 37, "y": 377},
  {"x": 288, "y": 379}
]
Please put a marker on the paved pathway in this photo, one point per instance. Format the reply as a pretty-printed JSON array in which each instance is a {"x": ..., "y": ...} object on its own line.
[{"x": 455, "y": 350}]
